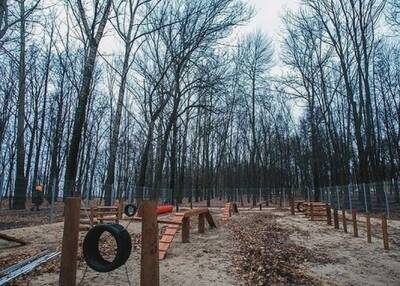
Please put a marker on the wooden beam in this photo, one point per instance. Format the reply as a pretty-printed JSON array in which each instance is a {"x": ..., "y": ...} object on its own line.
[
  {"x": 344, "y": 221},
  {"x": 368, "y": 225},
  {"x": 12, "y": 239},
  {"x": 149, "y": 266},
  {"x": 185, "y": 229},
  {"x": 354, "y": 220},
  {"x": 328, "y": 215},
  {"x": 385, "y": 232},
  {"x": 336, "y": 218},
  {"x": 201, "y": 223},
  {"x": 69, "y": 253}
]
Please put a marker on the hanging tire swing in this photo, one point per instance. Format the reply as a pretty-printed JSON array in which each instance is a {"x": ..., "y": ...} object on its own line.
[
  {"x": 91, "y": 251},
  {"x": 130, "y": 210}
]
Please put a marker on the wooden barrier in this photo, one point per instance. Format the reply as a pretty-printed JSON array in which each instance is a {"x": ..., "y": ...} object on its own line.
[
  {"x": 100, "y": 214},
  {"x": 344, "y": 221},
  {"x": 149, "y": 266},
  {"x": 385, "y": 232},
  {"x": 368, "y": 225},
  {"x": 315, "y": 211},
  {"x": 335, "y": 218},
  {"x": 183, "y": 219},
  {"x": 69, "y": 252},
  {"x": 354, "y": 222}
]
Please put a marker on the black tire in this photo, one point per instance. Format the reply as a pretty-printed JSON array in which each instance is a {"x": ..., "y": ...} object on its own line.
[
  {"x": 91, "y": 251},
  {"x": 300, "y": 207},
  {"x": 130, "y": 210}
]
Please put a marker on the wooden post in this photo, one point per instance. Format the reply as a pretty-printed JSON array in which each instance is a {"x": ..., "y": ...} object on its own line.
[
  {"x": 385, "y": 232},
  {"x": 328, "y": 215},
  {"x": 344, "y": 221},
  {"x": 185, "y": 229},
  {"x": 354, "y": 218},
  {"x": 312, "y": 211},
  {"x": 260, "y": 207},
  {"x": 69, "y": 253},
  {"x": 368, "y": 223},
  {"x": 149, "y": 264},
  {"x": 202, "y": 218},
  {"x": 120, "y": 209},
  {"x": 92, "y": 215},
  {"x": 292, "y": 205},
  {"x": 335, "y": 218}
]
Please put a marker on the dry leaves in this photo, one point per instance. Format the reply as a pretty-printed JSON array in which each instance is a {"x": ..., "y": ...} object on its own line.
[{"x": 265, "y": 255}]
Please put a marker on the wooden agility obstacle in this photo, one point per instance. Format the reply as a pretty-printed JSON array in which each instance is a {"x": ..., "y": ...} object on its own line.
[
  {"x": 315, "y": 211},
  {"x": 99, "y": 214},
  {"x": 183, "y": 219}
]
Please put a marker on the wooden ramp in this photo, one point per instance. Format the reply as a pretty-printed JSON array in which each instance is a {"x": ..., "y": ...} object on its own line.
[
  {"x": 169, "y": 234},
  {"x": 227, "y": 211}
]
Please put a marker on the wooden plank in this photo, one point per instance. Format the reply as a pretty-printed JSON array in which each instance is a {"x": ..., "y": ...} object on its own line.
[
  {"x": 163, "y": 246},
  {"x": 312, "y": 211},
  {"x": 195, "y": 212},
  {"x": 69, "y": 253},
  {"x": 166, "y": 238},
  {"x": 149, "y": 266}
]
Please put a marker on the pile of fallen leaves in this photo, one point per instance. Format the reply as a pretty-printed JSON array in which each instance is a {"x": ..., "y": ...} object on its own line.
[{"x": 265, "y": 255}]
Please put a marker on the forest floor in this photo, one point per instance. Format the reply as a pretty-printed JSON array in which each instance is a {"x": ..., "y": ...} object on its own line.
[{"x": 270, "y": 247}]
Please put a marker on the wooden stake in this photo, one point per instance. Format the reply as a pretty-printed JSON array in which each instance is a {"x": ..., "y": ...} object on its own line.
[
  {"x": 368, "y": 227},
  {"x": 149, "y": 264},
  {"x": 335, "y": 218},
  {"x": 344, "y": 220},
  {"x": 292, "y": 205},
  {"x": 185, "y": 229},
  {"x": 385, "y": 232},
  {"x": 328, "y": 215},
  {"x": 201, "y": 225},
  {"x": 312, "y": 211},
  {"x": 354, "y": 219},
  {"x": 69, "y": 253}
]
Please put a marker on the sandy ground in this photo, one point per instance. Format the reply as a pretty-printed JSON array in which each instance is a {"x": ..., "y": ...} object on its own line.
[
  {"x": 206, "y": 260},
  {"x": 355, "y": 262}
]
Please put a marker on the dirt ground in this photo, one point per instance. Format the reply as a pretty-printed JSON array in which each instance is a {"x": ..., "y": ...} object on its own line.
[{"x": 207, "y": 259}]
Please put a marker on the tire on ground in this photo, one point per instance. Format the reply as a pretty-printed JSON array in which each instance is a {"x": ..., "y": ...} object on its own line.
[{"x": 91, "y": 251}]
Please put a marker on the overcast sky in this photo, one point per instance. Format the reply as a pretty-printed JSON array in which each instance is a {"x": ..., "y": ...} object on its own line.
[{"x": 268, "y": 15}]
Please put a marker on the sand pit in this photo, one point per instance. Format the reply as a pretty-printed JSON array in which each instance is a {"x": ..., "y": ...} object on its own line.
[{"x": 207, "y": 259}]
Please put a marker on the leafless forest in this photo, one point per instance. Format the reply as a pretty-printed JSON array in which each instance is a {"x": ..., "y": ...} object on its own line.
[{"x": 180, "y": 105}]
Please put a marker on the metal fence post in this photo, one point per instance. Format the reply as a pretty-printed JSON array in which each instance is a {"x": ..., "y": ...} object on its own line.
[
  {"x": 337, "y": 198},
  {"x": 386, "y": 198},
  {"x": 365, "y": 198},
  {"x": 350, "y": 203}
]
